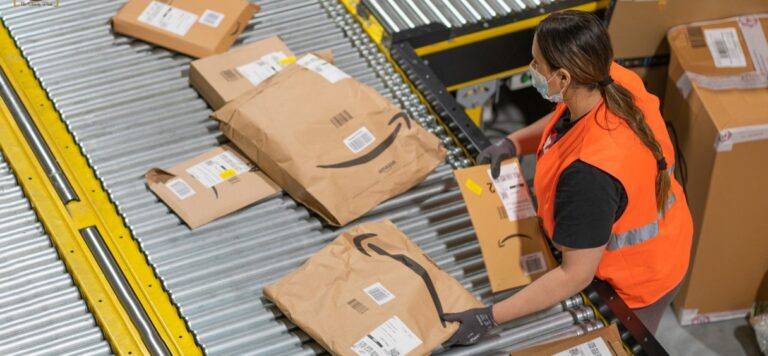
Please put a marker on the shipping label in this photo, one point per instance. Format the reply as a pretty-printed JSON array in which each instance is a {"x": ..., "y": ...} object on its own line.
[
  {"x": 392, "y": 338},
  {"x": 595, "y": 347},
  {"x": 359, "y": 140},
  {"x": 169, "y": 18},
  {"x": 513, "y": 191},
  {"x": 180, "y": 188},
  {"x": 218, "y": 169},
  {"x": 320, "y": 66},
  {"x": 211, "y": 18},
  {"x": 725, "y": 47},
  {"x": 263, "y": 68},
  {"x": 379, "y": 294}
]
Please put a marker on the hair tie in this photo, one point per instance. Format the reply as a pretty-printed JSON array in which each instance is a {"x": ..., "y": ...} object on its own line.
[
  {"x": 605, "y": 82},
  {"x": 661, "y": 164}
]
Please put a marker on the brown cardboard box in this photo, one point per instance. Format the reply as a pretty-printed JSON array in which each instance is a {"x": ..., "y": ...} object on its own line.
[
  {"x": 223, "y": 77},
  {"x": 514, "y": 247},
  {"x": 601, "y": 342},
  {"x": 722, "y": 136},
  {"x": 638, "y": 27},
  {"x": 373, "y": 290},
  {"x": 210, "y": 185},
  {"x": 197, "y": 28},
  {"x": 331, "y": 142}
]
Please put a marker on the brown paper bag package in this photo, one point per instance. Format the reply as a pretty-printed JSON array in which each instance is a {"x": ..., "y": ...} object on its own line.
[
  {"x": 334, "y": 144},
  {"x": 372, "y": 290}
]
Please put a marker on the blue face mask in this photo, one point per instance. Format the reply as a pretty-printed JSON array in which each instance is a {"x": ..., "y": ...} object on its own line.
[{"x": 541, "y": 84}]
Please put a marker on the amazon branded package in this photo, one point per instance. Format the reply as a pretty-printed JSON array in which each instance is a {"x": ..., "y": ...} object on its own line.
[
  {"x": 197, "y": 28},
  {"x": 514, "y": 247},
  {"x": 601, "y": 342},
  {"x": 372, "y": 291},
  {"x": 211, "y": 185},
  {"x": 334, "y": 144}
]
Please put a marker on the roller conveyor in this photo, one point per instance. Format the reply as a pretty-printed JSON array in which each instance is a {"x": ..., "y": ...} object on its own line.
[
  {"x": 41, "y": 311},
  {"x": 130, "y": 108}
]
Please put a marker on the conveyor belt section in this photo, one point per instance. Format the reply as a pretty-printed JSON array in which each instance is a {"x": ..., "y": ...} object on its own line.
[
  {"x": 466, "y": 42},
  {"x": 41, "y": 311},
  {"x": 130, "y": 107}
]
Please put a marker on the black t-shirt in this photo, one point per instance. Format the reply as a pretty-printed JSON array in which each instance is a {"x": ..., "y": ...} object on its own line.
[{"x": 587, "y": 201}]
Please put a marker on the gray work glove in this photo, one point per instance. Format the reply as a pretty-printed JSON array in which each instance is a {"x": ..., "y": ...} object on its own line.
[
  {"x": 494, "y": 154},
  {"x": 474, "y": 324}
]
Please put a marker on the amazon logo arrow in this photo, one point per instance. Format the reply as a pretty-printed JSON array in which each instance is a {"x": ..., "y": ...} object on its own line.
[
  {"x": 378, "y": 150},
  {"x": 407, "y": 262},
  {"x": 504, "y": 240}
]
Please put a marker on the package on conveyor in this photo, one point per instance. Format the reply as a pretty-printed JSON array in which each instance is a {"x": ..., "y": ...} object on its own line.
[
  {"x": 514, "y": 247},
  {"x": 334, "y": 144},
  {"x": 211, "y": 185},
  {"x": 601, "y": 342},
  {"x": 223, "y": 77},
  {"x": 197, "y": 28},
  {"x": 372, "y": 291}
]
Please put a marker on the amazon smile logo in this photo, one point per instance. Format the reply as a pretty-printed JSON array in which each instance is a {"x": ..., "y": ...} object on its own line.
[
  {"x": 378, "y": 150},
  {"x": 504, "y": 240}
]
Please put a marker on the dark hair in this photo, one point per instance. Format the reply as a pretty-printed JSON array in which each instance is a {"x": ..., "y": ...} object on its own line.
[{"x": 578, "y": 42}]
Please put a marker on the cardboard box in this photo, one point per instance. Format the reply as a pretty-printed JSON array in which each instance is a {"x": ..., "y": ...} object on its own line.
[
  {"x": 197, "y": 28},
  {"x": 601, "y": 342},
  {"x": 211, "y": 185},
  {"x": 723, "y": 136},
  {"x": 514, "y": 247},
  {"x": 638, "y": 28},
  {"x": 372, "y": 290},
  {"x": 334, "y": 144},
  {"x": 223, "y": 77}
]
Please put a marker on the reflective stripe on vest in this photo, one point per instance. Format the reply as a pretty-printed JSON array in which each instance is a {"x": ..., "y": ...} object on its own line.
[{"x": 640, "y": 234}]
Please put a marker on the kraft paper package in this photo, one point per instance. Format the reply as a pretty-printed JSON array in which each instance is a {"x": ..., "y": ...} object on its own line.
[
  {"x": 211, "y": 185},
  {"x": 372, "y": 291},
  {"x": 601, "y": 342},
  {"x": 334, "y": 144}
]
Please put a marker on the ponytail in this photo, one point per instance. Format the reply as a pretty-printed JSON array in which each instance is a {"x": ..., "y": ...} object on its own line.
[{"x": 621, "y": 102}]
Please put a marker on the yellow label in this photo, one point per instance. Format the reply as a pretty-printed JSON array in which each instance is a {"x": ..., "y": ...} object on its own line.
[
  {"x": 229, "y": 173},
  {"x": 473, "y": 186},
  {"x": 287, "y": 60}
]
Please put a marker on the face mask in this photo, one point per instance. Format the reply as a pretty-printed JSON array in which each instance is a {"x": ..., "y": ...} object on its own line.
[{"x": 541, "y": 84}]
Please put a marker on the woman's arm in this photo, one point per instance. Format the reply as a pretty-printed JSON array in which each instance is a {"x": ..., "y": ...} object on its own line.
[
  {"x": 526, "y": 140},
  {"x": 573, "y": 275}
]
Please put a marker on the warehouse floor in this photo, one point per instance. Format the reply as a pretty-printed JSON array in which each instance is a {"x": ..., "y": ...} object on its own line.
[{"x": 731, "y": 337}]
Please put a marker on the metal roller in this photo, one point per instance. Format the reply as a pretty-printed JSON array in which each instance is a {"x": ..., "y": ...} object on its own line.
[
  {"x": 130, "y": 107},
  {"x": 39, "y": 303}
]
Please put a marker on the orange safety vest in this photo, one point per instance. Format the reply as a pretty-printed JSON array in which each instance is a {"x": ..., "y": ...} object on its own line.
[{"x": 647, "y": 254}]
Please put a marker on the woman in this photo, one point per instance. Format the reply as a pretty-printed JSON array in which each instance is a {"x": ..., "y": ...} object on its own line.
[{"x": 604, "y": 185}]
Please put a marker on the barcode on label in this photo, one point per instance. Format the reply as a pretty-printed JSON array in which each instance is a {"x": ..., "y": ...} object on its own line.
[
  {"x": 230, "y": 75},
  {"x": 359, "y": 140},
  {"x": 379, "y": 294},
  {"x": 341, "y": 119},
  {"x": 211, "y": 18},
  {"x": 356, "y": 305},
  {"x": 533, "y": 263},
  {"x": 725, "y": 46},
  {"x": 180, "y": 188}
]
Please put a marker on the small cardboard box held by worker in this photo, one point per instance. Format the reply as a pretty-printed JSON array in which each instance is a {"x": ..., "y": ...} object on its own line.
[
  {"x": 372, "y": 292},
  {"x": 514, "y": 247},
  {"x": 334, "y": 144},
  {"x": 197, "y": 28},
  {"x": 211, "y": 185},
  {"x": 602, "y": 342}
]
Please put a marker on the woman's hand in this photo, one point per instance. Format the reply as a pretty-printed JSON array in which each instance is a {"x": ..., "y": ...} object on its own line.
[
  {"x": 496, "y": 153},
  {"x": 474, "y": 324}
]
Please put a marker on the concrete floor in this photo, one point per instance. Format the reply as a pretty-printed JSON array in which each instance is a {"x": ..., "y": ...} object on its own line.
[{"x": 730, "y": 338}]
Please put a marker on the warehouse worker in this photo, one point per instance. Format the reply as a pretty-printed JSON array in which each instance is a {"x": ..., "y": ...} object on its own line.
[{"x": 604, "y": 185}]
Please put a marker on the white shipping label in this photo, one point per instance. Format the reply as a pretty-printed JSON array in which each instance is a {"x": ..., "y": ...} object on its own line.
[
  {"x": 379, "y": 294},
  {"x": 263, "y": 68},
  {"x": 595, "y": 347},
  {"x": 393, "y": 338},
  {"x": 211, "y": 18},
  {"x": 754, "y": 36},
  {"x": 359, "y": 140},
  {"x": 511, "y": 188},
  {"x": 217, "y": 169},
  {"x": 320, "y": 66},
  {"x": 533, "y": 263},
  {"x": 169, "y": 18},
  {"x": 179, "y": 187},
  {"x": 728, "y": 137},
  {"x": 725, "y": 47}
]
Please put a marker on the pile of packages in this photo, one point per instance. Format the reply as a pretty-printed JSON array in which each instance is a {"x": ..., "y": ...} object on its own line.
[{"x": 298, "y": 124}]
